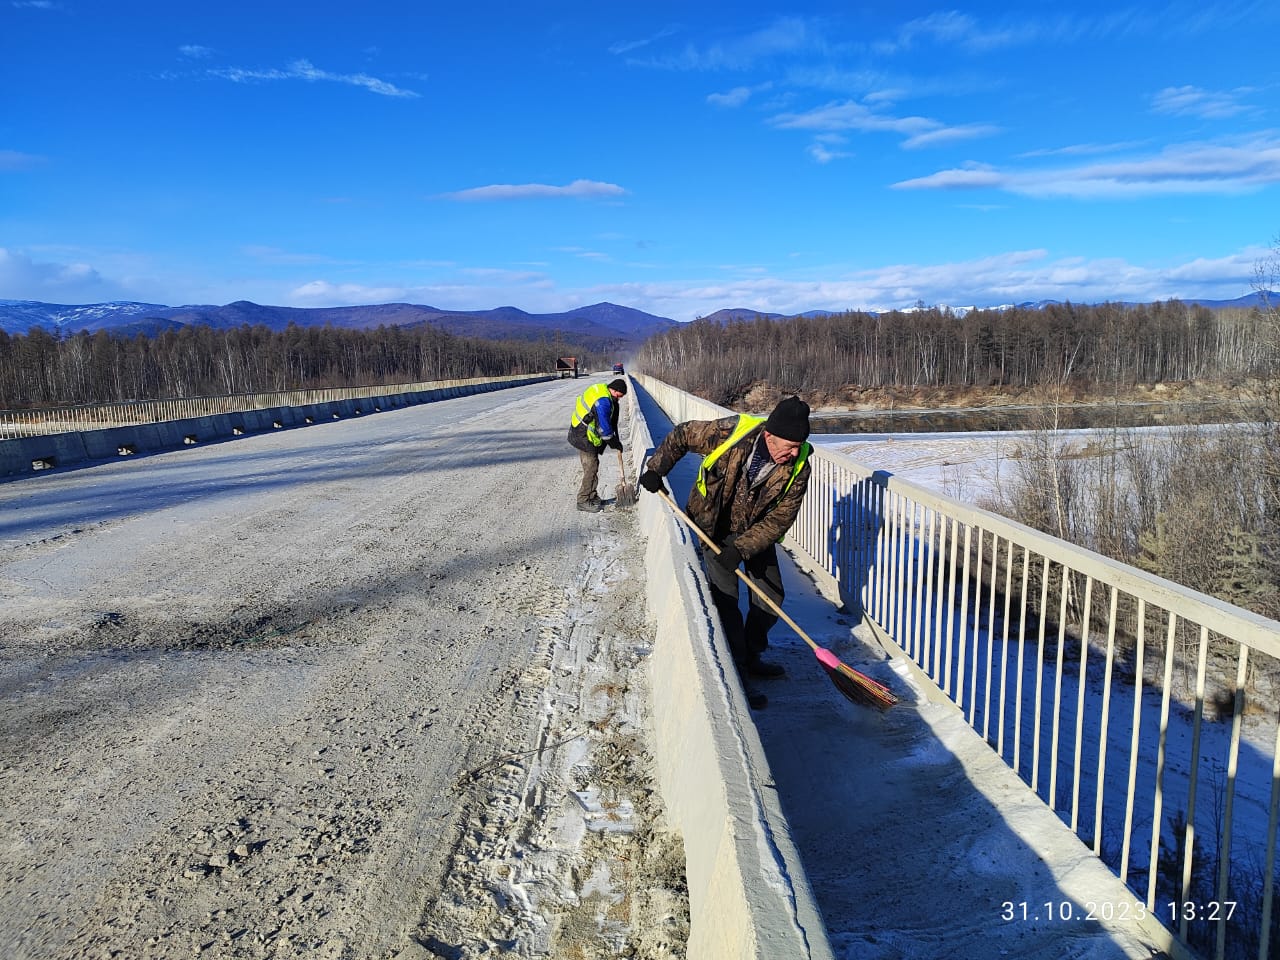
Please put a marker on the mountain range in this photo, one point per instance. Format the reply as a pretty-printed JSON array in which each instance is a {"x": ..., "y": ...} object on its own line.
[
  {"x": 605, "y": 326},
  {"x": 1259, "y": 299}
]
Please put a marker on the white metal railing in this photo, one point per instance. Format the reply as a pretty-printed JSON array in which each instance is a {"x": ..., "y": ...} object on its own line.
[
  {"x": 16, "y": 424},
  {"x": 1143, "y": 713}
]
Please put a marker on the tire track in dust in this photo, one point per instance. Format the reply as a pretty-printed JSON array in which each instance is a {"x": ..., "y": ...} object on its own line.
[{"x": 562, "y": 850}]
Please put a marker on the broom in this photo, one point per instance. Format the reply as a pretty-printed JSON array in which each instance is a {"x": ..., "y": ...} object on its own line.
[
  {"x": 857, "y": 687},
  {"x": 624, "y": 494}
]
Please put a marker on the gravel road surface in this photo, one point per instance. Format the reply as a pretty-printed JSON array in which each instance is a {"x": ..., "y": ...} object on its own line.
[{"x": 370, "y": 688}]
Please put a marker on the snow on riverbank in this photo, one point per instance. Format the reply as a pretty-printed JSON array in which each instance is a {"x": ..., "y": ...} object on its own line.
[{"x": 971, "y": 467}]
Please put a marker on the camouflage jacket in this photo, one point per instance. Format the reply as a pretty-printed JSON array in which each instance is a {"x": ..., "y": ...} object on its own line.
[{"x": 755, "y": 516}]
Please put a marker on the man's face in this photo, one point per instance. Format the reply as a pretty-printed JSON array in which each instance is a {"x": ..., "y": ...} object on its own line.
[{"x": 781, "y": 451}]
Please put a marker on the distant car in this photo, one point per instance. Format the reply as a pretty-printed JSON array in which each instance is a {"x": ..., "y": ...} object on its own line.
[{"x": 617, "y": 368}]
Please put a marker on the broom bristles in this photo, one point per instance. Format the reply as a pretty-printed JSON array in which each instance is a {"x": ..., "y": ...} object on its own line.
[
  {"x": 857, "y": 687},
  {"x": 860, "y": 689}
]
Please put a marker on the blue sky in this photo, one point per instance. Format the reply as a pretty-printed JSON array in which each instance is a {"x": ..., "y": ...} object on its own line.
[{"x": 782, "y": 159}]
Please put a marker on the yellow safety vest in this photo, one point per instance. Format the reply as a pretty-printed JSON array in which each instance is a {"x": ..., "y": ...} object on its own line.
[
  {"x": 585, "y": 410},
  {"x": 747, "y": 423}
]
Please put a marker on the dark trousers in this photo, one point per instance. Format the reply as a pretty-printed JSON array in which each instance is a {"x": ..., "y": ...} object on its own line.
[
  {"x": 590, "y": 476},
  {"x": 747, "y": 639}
]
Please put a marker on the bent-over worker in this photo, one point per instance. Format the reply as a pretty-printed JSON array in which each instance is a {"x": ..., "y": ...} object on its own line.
[
  {"x": 752, "y": 480},
  {"x": 594, "y": 426}
]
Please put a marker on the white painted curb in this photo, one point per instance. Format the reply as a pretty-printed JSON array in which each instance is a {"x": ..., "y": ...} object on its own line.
[{"x": 748, "y": 894}]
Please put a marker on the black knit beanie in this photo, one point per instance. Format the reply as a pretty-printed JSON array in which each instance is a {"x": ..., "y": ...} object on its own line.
[
  {"x": 789, "y": 420},
  {"x": 620, "y": 385}
]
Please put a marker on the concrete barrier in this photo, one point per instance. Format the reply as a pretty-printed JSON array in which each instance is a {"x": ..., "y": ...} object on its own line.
[
  {"x": 748, "y": 894},
  {"x": 105, "y": 444},
  {"x": 32, "y": 454},
  {"x": 29, "y": 455}
]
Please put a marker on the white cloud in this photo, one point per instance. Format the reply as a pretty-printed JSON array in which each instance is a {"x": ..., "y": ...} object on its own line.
[
  {"x": 1014, "y": 277},
  {"x": 482, "y": 289},
  {"x": 1011, "y": 277},
  {"x": 1207, "y": 104},
  {"x": 580, "y": 189},
  {"x": 22, "y": 278},
  {"x": 943, "y": 135},
  {"x": 732, "y": 98},
  {"x": 194, "y": 51},
  {"x": 785, "y": 36},
  {"x": 952, "y": 30},
  {"x": 305, "y": 70},
  {"x": 849, "y": 115},
  {"x": 322, "y": 293},
  {"x": 1082, "y": 149},
  {"x": 853, "y": 116},
  {"x": 823, "y": 150},
  {"x": 626, "y": 46},
  {"x": 838, "y": 78},
  {"x": 1184, "y": 169},
  {"x": 739, "y": 95}
]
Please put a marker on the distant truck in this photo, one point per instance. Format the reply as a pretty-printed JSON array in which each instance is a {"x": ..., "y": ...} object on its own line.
[
  {"x": 566, "y": 367},
  {"x": 617, "y": 368}
]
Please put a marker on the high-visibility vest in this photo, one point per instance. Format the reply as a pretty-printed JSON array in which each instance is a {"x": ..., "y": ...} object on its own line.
[
  {"x": 585, "y": 411},
  {"x": 747, "y": 423}
]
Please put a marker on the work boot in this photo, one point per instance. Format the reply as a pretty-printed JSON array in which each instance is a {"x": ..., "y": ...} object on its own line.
[
  {"x": 589, "y": 506},
  {"x": 762, "y": 668}
]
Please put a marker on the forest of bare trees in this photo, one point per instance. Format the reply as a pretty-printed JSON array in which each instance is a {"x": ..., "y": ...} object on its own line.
[
  {"x": 1020, "y": 347},
  {"x": 40, "y": 369}
]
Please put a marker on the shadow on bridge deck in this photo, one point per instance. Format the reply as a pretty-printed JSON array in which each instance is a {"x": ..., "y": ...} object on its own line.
[{"x": 917, "y": 840}]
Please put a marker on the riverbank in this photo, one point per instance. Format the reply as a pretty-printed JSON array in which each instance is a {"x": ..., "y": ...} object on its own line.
[{"x": 907, "y": 408}]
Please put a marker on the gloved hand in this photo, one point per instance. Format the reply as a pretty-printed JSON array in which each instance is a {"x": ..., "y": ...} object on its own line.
[
  {"x": 616, "y": 442},
  {"x": 729, "y": 556},
  {"x": 652, "y": 482}
]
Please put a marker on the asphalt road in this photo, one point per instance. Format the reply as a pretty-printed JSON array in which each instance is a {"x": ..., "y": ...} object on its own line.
[{"x": 275, "y": 697}]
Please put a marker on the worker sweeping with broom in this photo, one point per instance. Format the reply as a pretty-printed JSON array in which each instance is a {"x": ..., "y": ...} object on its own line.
[
  {"x": 594, "y": 426},
  {"x": 751, "y": 483}
]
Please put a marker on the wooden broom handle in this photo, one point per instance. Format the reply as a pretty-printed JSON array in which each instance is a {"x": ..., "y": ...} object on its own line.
[{"x": 768, "y": 600}]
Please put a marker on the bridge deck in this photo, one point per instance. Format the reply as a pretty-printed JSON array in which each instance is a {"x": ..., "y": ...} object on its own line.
[{"x": 278, "y": 695}]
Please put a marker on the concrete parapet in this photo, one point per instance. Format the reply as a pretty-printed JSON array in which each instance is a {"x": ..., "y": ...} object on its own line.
[
  {"x": 13, "y": 457},
  {"x": 170, "y": 433},
  {"x": 311, "y": 413},
  {"x": 28, "y": 455},
  {"x": 283, "y": 416},
  {"x": 748, "y": 894},
  {"x": 256, "y": 421},
  {"x": 106, "y": 444},
  {"x": 148, "y": 438},
  {"x": 181, "y": 433},
  {"x": 31, "y": 454}
]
